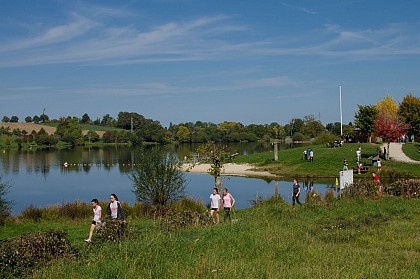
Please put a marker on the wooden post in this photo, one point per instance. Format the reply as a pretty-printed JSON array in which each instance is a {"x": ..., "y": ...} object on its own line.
[{"x": 276, "y": 150}]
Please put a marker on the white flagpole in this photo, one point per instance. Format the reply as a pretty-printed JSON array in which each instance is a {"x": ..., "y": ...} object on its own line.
[{"x": 341, "y": 113}]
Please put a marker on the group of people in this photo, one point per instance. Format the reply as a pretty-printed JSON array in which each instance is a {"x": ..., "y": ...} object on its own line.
[
  {"x": 308, "y": 155},
  {"x": 114, "y": 211},
  {"x": 216, "y": 202}
]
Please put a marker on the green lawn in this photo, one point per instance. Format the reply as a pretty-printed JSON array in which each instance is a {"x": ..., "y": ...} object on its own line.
[
  {"x": 350, "y": 238},
  {"x": 327, "y": 161},
  {"x": 412, "y": 150}
]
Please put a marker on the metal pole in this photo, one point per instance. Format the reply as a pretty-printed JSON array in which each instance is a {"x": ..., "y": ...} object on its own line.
[{"x": 341, "y": 114}]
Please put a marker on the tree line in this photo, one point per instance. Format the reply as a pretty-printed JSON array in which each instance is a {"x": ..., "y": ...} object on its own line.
[
  {"x": 389, "y": 120},
  {"x": 385, "y": 119}
]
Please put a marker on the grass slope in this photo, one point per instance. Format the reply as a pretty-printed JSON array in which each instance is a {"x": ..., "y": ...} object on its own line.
[
  {"x": 327, "y": 161},
  {"x": 347, "y": 239},
  {"x": 412, "y": 150}
]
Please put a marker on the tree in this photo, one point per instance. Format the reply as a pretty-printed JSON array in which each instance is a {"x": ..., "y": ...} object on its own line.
[
  {"x": 157, "y": 177},
  {"x": 5, "y": 119},
  {"x": 389, "y": 127},
  {"x": 36, "y": 119},
  {"x": 387, "y": 106},
  {"x": 14, "y": 119},
  {"x": 44, "y": 118},
  {"x": 365, "y": 119},
  {"x": 28, "y": 119},
  {"x": 69, "y": 131},
  {"x": 91, "y": 136},
  {"x": 183, "y": 134},
  {"x": 5, "y": 205},
  {"x": 409, "y": 111},
  {"x": 334, "y": 128},
  {"x": 85, "y": 119}
]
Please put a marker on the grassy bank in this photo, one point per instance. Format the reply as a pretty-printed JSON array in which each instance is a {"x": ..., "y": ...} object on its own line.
[
  {"x": 412, "y": 150},
  {"x": 327, "y": 161},
  {"x": 349, "y": 238}
]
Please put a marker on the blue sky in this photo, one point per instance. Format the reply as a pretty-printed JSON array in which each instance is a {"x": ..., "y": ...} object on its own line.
[{"x": 180, "y": 60}]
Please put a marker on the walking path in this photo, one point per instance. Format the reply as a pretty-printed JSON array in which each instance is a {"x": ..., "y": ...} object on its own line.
[{"x": 396, "y": 153}]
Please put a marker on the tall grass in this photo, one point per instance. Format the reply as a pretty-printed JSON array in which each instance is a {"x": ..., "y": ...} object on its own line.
[
  {"x": 355, "y": 238},
  {"x": 350, "y": 237}
]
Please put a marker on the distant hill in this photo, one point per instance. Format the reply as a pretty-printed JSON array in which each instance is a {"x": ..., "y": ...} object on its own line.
[{"x": 29, "y": 127}]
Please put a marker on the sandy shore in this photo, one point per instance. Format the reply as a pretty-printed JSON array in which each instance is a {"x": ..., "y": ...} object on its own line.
[{"x": 229, "y": 169}]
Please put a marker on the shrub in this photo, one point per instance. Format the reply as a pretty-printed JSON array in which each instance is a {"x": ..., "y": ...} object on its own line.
[
  {"x": 18, "y": 255},
  {"x": 157, "y": 178},
  {"x": 408, "y": 188},
  {"x": 361, "y": 188},
  {"x": 5, "y": 205},
  {"x": 189, "y": 204},
  {"x": 172, "y": 219},
  {"x": 259, "y": 201},
  {"x": 314, "y": 198},
  {"x": 112, "y": 230},
  {"x": 329, "y": 196},
  {"x": 32, "y": 213},
  {"x": 75, "y": 210},
  {"x": 325, "y": 137}
]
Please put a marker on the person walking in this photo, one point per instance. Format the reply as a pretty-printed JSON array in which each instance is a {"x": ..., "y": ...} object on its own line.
[
  {"x": 379, "y": 164},
  {"x": 311, "y": 155},
  {"x": 378, "y": 183},
  {"x": 359, "y": 153},
  {"x": 215, "y": 204},
  {"x": 228, "y": 203},
  {"x": 295, "y": 192},
  {"x": 114, "y": 208},
  {"x": 97, "y": 218},
  {"x": 345, "y": 165}
]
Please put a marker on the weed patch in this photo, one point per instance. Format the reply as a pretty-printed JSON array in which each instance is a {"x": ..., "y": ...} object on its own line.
[{"x": 20, "y": 254}]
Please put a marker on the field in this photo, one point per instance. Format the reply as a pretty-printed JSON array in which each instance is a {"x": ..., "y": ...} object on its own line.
[
  {"x": 51, "y": 127},
  {"x": 348, "y": 238}
]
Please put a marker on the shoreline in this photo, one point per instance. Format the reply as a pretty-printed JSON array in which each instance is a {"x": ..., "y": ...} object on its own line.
[{"x": 231, "y": 169}]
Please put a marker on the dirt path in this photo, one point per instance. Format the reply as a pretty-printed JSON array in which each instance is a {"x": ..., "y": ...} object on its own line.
[{"x": 396, "y": 153}]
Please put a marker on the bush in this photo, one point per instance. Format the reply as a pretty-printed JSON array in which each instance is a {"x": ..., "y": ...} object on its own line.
[
  {"x": 72, "y": 210},
  {"x": 5, "y": 205},
  {"x": 408, "y": 188},
  {"x": 274, "y": 200},
  {"x": 18, "y": 255},
  {"x": 157, "y": 178},
  {"x": 172, "y": 219},
  {"x": 75, "y": 210},
  {"x": 314, "y": 198},
  {"x": 189, "y": 204},
  {"x": 137, "y": 210},
  {"x": 32, "y": 213},
  {"x": 325, "y": 137},
  {"x": 112, "y": 230},
  {"x": 361, "y": 188}
]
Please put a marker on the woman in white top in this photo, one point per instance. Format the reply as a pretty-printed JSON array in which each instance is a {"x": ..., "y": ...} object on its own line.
[
  {"x": 215, "y": 204},
  {"x": 97, "y": 217}
]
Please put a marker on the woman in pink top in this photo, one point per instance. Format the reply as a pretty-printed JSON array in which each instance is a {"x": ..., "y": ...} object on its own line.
[{"x": 228, "y": 202}]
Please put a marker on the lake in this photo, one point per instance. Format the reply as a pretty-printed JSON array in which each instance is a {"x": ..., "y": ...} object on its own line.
[{"x": 39, "y": 177}]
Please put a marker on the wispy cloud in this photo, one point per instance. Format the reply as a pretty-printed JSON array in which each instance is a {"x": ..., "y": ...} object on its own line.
[{"x": 93, "y": 39}]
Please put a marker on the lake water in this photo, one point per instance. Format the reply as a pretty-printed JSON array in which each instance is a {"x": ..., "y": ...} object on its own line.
[{"x": 39, "y": 177}]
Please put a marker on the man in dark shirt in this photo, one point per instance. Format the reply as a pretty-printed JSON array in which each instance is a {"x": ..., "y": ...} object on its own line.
[{"x": 296, "y": 192}]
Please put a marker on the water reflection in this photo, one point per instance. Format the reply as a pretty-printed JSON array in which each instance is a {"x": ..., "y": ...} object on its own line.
[{"x": 40, "y": 178}]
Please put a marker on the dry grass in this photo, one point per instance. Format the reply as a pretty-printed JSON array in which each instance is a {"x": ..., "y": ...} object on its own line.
[{"x": 29, "y": 127}]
